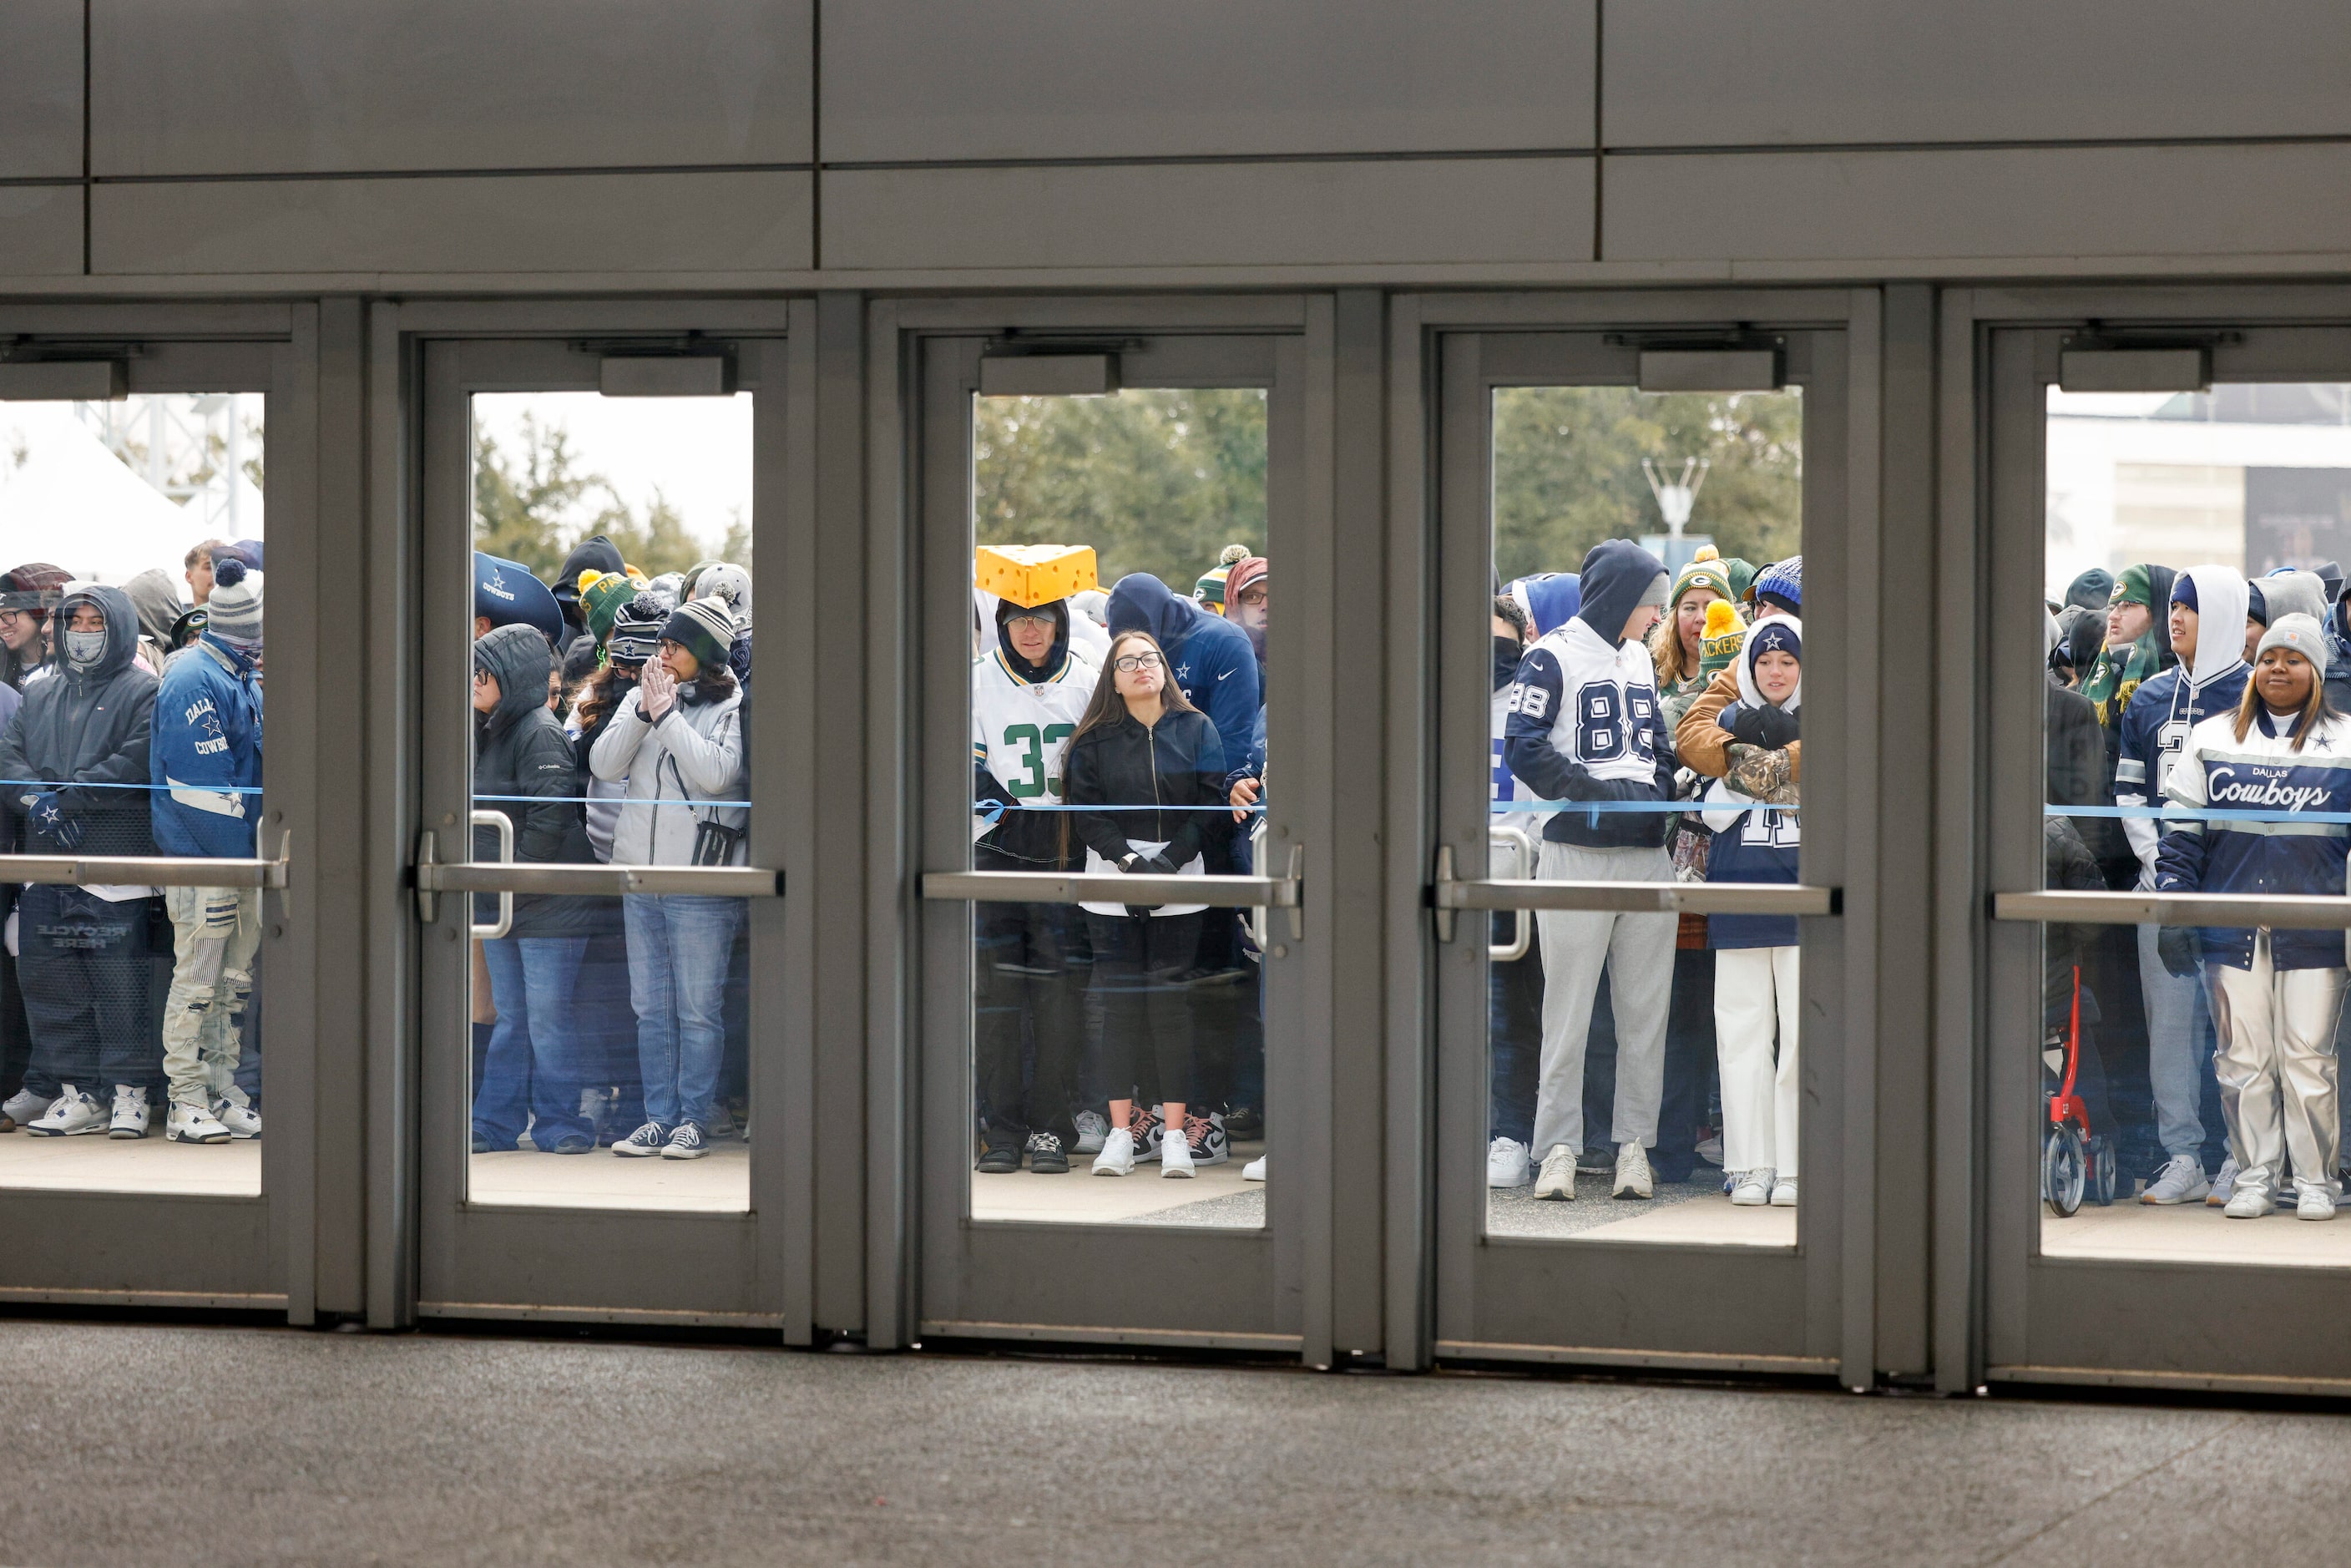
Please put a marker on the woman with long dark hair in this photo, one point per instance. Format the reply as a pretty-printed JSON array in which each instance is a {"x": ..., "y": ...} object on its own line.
[{"x": 1148, "y": 761}]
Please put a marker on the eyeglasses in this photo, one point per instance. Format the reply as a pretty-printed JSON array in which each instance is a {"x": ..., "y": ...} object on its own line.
[
  {"x": 1034, "y": 622},
  {"x": 1130, "y": 662}
]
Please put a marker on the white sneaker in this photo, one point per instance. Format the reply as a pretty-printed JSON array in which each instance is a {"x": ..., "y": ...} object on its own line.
[
  {"x": 2312, "y": 1200},
  {"x": 69, "y": 1115},
  {"x": 1117, "y": 1156},
  {"x": 1176, "y": 1157},
  {"x": 192, "y": 1124},
  {"x": 1783, "y": 1193},
  {"x": 1633, "y": 1177},
  {"x": 1557, "y": 1179},
  {"x": 1094, "y": 1128},
  {"x": 1506, "y": 1163},
  {"x": 243, "y": 1122},
  {"x": 2250, "y": 1200},
  {"x": 2181, "y": 1180},
  {"x": 1254, "y": 1170},
  {"x": 1709, "y": 1151},
  {"x": 24, "y": 1105},
  {"x": 130, "y": 1118},
  {"x": 1753, "y": 1190},
  {"x": 2224, "y": 1185}
]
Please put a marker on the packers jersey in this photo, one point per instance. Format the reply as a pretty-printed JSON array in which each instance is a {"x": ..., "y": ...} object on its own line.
[{"x": 1020, "y": 733}]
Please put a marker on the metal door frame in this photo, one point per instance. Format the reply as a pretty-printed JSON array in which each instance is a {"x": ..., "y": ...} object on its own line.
[
  {"x": 2031, "y": 1319},
  {"x": 747, "y": 1269},
  {"x": 1588, "y": 1301},
  {"x": 267, "y": 1253},
  {"x": 1011, "y": 1281}
]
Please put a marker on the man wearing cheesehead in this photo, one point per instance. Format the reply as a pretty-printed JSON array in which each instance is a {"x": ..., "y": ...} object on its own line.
[{"x": 1028, "y": 693}]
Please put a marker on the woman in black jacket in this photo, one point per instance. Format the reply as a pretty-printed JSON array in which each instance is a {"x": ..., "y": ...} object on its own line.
[
  {"x": 525, "y": 770},
  {"x": 1149, "y": 761}
]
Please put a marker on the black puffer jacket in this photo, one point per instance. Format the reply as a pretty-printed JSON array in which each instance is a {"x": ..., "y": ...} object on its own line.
[
  {"x": 1124, "y": 763},
  {"x": 520, "y": 749},
  {"x": 85, "y": 729}
]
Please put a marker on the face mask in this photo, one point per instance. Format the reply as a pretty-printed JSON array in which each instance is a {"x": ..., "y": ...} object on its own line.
[
  {"x": 84, "y": 649},
  {"x": 1506, "y": 660}
]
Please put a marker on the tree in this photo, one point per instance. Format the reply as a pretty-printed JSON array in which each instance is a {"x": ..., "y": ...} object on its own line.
[
  {"x": 1156, "y": 481},
  {"x": 1567, "y": 471},
  {"x": 529, "y": 510}
]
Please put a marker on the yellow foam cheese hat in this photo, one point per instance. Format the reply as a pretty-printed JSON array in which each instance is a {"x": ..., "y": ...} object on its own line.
[{"x": 1030, "y": 575}]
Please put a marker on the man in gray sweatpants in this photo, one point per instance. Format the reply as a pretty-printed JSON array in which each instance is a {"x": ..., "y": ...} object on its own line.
[
  {"x": 1639, "y": 950},
  {"x": 1585, "y": 727}
]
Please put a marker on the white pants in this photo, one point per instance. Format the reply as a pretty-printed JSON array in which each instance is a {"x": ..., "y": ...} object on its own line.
[
  {"x": 2277, "y": 1066},
  {"x": 1755, "y": 990},
  {"x": 1638, "y": 952}
]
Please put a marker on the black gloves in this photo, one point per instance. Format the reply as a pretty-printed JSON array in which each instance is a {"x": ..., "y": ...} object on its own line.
[
  {"x": 1770, "y": 728},
  {"x": 2177, "y": 947},
  {"x": 1135, "y": 864}
]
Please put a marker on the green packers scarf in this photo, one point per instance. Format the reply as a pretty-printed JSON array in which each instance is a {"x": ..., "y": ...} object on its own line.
[{"x": 2117, "y": 673}]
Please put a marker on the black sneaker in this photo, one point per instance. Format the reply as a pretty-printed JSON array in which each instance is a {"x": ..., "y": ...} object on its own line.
[
  {"x": 1045, "y": 1155},
  {"x": 1243, "y": 1123},
  {"x": 999, "y": 1161}
]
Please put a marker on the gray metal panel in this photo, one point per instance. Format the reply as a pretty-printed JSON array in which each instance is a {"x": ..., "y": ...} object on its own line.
[
  {"x": 905, "y": 80},
  {"x": 2118, "y": 201},
  {"x": 245, "y": 86},
  {"x": 40, "y": 89},
  {"x": 1683, "y": 73},
  {"x": 1233, "y": 215},
  {"x": 40, "y": 230},
  {"x": 622, "y": 223}
]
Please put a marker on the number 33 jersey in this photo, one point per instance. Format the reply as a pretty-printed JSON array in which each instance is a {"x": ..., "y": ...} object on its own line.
[{"x": 1019, "y": 734}]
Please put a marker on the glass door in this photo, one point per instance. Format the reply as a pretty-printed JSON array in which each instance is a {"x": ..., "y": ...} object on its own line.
[
  {"x": 159, "y": 956},
  {"x": 601, "y": 1088},
  {"x": 1112, "y": 883},
  {"x": 1638, "y": 969},
  {"x": 2169, "y": 818}
]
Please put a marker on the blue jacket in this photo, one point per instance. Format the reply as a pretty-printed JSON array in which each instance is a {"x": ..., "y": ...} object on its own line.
[
  {"x": 1214, "y": 666},
  {"x": 205, "y": 746},
  {"x": 2262, "y": 773}
]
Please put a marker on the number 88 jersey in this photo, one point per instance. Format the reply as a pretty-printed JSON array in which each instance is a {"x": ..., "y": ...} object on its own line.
[{"x": 1020, "y": 732}]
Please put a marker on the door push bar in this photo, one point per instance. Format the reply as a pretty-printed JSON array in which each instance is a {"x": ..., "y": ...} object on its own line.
[
  {"x": 2304, "y": 913},
  {"x": 1450, "y": 894},
  {"x": 159, "y": 871},
  {"x": 1117, "y": 887},
  {"x": 505, "y": 878}
]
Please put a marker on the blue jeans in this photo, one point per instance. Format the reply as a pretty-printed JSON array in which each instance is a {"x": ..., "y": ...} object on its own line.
[
  {"x": 678, "y": 950},
  {"x": 533, "y": 1063}
]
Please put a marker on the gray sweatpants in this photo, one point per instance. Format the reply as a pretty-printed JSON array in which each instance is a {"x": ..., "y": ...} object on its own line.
[
  {"x": 1639, "y": 950},
  {"x": 2175, "y": 1032}
]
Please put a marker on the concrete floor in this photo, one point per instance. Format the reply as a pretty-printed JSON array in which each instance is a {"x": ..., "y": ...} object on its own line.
[{"x": 240, "y": 1446}]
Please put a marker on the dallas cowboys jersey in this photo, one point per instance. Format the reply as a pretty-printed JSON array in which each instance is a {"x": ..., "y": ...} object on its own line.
[
  {"x": 2265, "y": 778},
  {"x": 1019, "y": 734},
  {"x": 1580, "y": 702}
]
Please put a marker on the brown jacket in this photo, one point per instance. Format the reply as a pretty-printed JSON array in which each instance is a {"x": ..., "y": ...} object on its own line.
[{"x": 1704, "y": 745}]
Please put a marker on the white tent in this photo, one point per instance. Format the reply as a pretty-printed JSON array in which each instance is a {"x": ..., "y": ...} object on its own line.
[{"x": 66, "y": 500}]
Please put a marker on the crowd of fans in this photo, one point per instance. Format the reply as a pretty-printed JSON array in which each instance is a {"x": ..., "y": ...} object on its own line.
[
  {"x": 1645, "y": 729},
  {"x": 130, "y": 725},
  {"x": 2196, "y": 743}
]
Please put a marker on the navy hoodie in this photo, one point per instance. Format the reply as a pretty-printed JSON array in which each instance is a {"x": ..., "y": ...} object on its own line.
[{"x": 1214, "y": 666}]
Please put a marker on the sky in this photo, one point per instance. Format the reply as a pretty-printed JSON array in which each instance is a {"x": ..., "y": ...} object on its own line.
[{"x": 696, "y": 450}]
